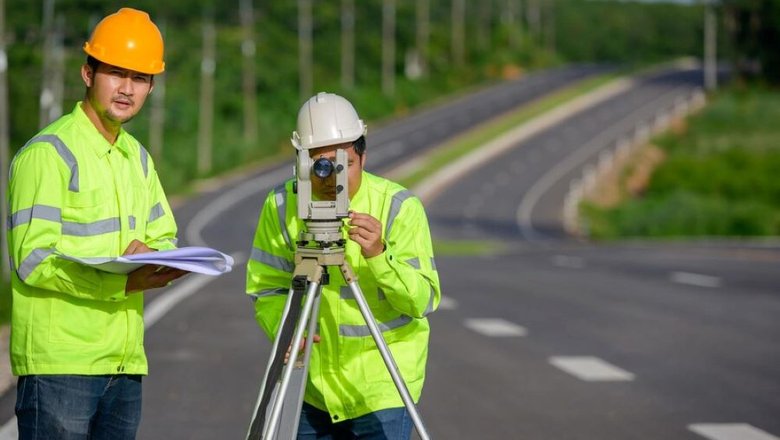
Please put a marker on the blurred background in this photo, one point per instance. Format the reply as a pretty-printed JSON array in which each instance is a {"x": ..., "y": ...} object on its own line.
[{"x": 691, "y": 181}]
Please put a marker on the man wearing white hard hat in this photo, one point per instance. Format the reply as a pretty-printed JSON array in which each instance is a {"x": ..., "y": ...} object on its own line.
[{"x": 349, "y": 391}]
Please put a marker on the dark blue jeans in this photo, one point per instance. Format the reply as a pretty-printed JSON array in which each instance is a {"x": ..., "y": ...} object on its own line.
[
  {"x": 70, "y": 407},
  {"x": 387, "y": 424}
]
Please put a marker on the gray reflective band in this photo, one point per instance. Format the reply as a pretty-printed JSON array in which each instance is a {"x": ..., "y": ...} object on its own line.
[
  {"x": 32, "y": 261},
  {"x": 269, "y": 292},
  {"x": 157, "y": 212},
  {"x": 433, "y": 264},
  {"x": 65, "y": 154},
  {"x": 414, "y": 262},
  {"x": 362, "y": 330},
  {"x": 395, "y": 208},
  {"x": 281, "y": 210},
  {"x": 272, "y": 260},
  {"x": 89, "y": 229},
  {"x": 429, "y": 309},
  {"x": 41, "y": 212},
  {"x": 131, "y": 221},
  {"x": 144, "y": 161}
]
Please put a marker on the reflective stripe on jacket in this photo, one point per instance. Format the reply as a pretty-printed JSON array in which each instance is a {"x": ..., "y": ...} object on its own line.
[
  {"x": 73, "y": 193},
  {"x": 347, "y": 376}
]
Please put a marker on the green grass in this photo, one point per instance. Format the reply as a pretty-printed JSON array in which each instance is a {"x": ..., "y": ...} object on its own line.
[
  {"x": 719, "y": 178},
  {"x": 473, "y": 139},
  {"x": 468, "y": 248}
]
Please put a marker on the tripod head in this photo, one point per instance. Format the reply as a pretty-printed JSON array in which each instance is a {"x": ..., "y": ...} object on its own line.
[{"x": 322, "y": 217}]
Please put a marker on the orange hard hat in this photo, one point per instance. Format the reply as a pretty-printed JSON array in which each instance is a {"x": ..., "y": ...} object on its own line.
[{"x": 128, "y": 39}]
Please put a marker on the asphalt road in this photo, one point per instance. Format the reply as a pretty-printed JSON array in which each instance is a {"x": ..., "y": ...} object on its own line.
[{"x": 548, "y": 339}]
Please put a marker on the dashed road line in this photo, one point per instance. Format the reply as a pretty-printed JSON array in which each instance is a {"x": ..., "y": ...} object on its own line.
[
  {"x": 447, "y": 303},
  {"x": 730, "y": 431},
  {"x": 495, "y": 327},
  {"x": 568, "y": 261},
  {"x": 591, "y": 369},
  {"x": 695, "y": 279}
]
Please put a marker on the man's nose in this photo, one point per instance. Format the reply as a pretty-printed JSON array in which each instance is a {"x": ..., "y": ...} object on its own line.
[{"x": 126, "y": 85}]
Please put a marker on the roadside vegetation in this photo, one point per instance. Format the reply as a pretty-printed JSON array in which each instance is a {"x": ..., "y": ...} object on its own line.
[{"x": 719, "y": 176}]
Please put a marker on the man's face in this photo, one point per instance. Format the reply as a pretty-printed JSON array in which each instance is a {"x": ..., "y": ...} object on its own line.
[
  {"x": 116, "y": 94},
  {"x": 325, "y": 189}
]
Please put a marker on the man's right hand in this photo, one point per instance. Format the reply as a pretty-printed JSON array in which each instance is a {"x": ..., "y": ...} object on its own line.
[{"x": 149, "y": 276}]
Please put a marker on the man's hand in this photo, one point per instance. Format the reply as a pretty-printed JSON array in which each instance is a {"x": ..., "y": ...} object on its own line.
[
  {"x": 148, "y": 276},
  {"x": 137, "y": 247},
  {"x": 367, "y": 232},
  {"x": 315, "y": 339}
]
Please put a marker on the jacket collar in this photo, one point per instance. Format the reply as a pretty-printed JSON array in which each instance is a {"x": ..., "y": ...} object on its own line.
[{"x": 97, "y": 143}]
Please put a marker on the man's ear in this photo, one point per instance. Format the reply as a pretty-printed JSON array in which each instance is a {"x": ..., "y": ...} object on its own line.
[
  {"x": 87, "y": 74},
  {"x": 151, "y": 85}
]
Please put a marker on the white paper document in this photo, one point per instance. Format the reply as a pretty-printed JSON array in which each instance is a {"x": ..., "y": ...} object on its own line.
[{"x": 193, "y": 259}]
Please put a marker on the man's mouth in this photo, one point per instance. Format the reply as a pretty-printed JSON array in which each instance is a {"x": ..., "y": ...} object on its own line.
[{"x": 123, "y": 102}]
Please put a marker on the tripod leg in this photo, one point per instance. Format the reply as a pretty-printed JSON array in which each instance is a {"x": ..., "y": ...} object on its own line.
[
  {"x": 291, "y": 411},
  {"x": 270, "y": 427},
  {"x": 387, "y": 356},
  {"x": 292, "y": 319},
  {"x": 272, "y": 371}
]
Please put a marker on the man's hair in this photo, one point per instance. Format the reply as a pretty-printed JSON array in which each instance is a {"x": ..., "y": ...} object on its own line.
[
  {"x": 93, "y": 63},
  {"x": 360, "y": 145}
]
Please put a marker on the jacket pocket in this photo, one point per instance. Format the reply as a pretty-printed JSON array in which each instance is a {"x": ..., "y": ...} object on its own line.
[{"x": 73, "y": 321}]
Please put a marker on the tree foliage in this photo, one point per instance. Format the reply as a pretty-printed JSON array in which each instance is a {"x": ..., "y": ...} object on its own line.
[{"x": 570, "y": 31}]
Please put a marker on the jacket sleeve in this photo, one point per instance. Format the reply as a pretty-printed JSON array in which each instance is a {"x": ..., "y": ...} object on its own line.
[
  {"x": 161, "y": 225},
  {"x": 406, "y": 271},
  {"x": 270, "y": 267},
  {"x": 37, "y": 190}
]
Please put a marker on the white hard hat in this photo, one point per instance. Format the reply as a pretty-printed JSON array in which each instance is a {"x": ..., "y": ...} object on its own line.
[{"x": 327, "y": 119}]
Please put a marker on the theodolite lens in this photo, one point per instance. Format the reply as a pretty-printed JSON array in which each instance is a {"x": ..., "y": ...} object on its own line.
[{"x": 322, "y": 168}]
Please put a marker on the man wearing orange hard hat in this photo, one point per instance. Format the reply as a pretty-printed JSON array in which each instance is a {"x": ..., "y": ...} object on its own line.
[{"x": 84, "y": 188}]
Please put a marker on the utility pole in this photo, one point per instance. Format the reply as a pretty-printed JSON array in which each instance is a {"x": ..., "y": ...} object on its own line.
[
  {"x": 53, "y": 66},
  {"x": 157, "y": 113},
  {"x": 305, "y": 49},
  {"x": 533, "y": 17},
  {"x": 710, "y": 47},
  {"x": 388, "y": 47},
  {"x": 484, "y": 28},
  {"x": 512, "y": 23},
  {"x": 347, "y": 44},
  {"x": 206, "y": 120},
  {"x": 458, "y": 30},
  {"x": 423, "y": 34},
  {"x": 248, "y": 85},
  {"x": 5, "y": 273},
  {"x": 549, "y": 26}
]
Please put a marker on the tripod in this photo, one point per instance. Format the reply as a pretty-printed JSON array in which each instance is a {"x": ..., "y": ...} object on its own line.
[{"x": 277, "y": 401}]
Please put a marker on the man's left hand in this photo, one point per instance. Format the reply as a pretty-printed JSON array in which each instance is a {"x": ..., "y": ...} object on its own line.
[{"x": 367, "y": 232}]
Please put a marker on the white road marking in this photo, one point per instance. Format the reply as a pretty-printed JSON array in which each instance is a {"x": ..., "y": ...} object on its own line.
[
  {"x": 695, "y": 279},
  {"x": 568, "y": 261},
  {"x": 577, "y": 158},
  {"x": 9, "y": 431},
  {"x": 428, "y": 189},
  {"x": 730, "y": 431},
  {"x": 218, "y": 206},
  {"x": 495, "y": 327},
  {"x": 447, "y": 303},
  {"x": 591, "y": 369}
]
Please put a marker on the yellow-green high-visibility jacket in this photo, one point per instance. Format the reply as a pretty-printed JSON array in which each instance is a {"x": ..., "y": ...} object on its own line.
[
  {"x": 72, "y": 193},
  {"x": 347, "y": 376}
]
